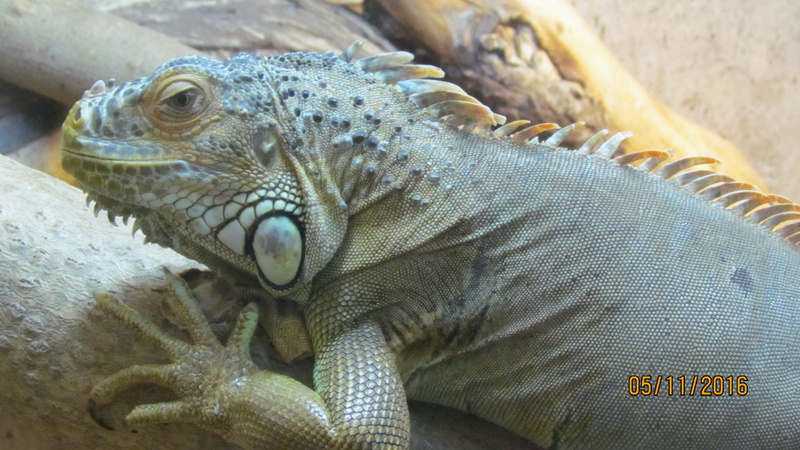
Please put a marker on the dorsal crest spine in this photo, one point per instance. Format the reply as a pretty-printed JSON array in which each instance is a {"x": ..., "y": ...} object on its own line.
[{"x": 455, "y": 107}]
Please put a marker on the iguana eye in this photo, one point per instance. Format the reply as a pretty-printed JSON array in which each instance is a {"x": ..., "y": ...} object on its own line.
[{"x": 181, "y": 100}]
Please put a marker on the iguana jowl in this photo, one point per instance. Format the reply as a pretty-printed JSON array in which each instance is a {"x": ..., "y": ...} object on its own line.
[{"x": 428, "y": 256}]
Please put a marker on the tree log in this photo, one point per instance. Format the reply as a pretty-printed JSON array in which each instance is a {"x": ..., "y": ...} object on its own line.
[
  {"x": 58, "y": 49},
  {"x": 537, "y": 60}
]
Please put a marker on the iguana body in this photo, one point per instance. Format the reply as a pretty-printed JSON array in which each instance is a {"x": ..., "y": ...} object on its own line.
[{"x": 510, "y": 279}]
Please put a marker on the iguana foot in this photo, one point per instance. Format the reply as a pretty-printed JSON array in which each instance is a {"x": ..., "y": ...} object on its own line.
[
  {"x": 201, "y": 374},
  {"x": 221, "y": 389}
]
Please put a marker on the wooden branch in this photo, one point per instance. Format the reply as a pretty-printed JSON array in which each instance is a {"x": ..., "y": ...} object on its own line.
[
  {"x": 537, "y": 60},
  {"x": 59, "y": 49},
  {"x": 263, "y": 26}
]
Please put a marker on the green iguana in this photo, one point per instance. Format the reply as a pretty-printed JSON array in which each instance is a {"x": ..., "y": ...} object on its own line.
[{"x": 580, "y": 298}]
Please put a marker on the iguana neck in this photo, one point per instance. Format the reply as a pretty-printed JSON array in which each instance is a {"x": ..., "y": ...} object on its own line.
[{"x": 361, "y": 141}]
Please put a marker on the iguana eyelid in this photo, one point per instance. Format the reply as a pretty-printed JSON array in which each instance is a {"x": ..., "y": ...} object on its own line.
[
  {"x": 197, "y": 100},
  {"x": 175, "y": 87},
  {"x": 167, "y": 113}
]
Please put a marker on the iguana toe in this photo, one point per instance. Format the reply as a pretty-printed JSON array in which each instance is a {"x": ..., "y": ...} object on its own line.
[{"x": 200, "y": 373}]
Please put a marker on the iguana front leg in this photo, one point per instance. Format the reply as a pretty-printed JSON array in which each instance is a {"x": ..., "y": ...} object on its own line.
[{"x": 361, "y": 401}]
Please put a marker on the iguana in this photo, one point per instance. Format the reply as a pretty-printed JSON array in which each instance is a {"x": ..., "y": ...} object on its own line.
[{"x": 580, "y": 298}]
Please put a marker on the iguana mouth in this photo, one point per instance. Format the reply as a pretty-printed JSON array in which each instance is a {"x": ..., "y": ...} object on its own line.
[
  {"x": 267, "y": 225},
  {"x": 87, "y": 133}
]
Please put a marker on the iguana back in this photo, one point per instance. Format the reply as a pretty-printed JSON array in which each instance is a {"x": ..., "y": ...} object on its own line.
[
  {"x": 531, "y": 285},
  {"x": 561, "y": 276}
]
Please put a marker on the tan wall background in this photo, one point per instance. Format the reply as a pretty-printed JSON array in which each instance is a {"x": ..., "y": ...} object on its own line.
[{"x": 730, "y": 66}]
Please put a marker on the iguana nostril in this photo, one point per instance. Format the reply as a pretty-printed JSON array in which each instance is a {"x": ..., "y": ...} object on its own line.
[{"x": 96, "y": 121}]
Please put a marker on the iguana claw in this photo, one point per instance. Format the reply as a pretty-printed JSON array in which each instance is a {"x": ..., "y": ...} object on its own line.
[{"x": 200, "y": 374}]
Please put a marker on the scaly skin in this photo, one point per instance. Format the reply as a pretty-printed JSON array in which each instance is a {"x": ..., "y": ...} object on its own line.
[{"x": 426, "y": 256}]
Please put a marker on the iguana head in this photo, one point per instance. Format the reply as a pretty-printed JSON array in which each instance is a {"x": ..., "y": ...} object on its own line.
[
  {"x": 195, "y": 153},
  {"x": 253, "y": 165}
]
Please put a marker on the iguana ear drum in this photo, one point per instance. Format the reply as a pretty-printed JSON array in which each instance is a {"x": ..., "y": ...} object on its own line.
[{"x": 277, "y": 246}]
